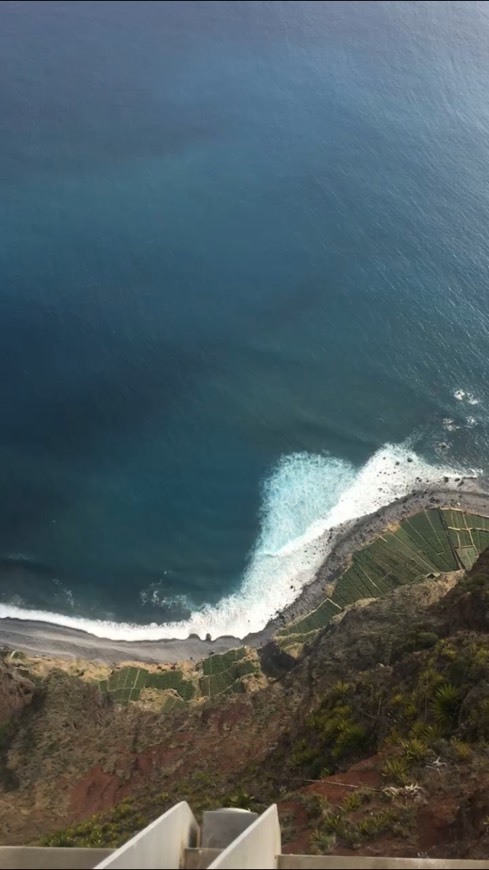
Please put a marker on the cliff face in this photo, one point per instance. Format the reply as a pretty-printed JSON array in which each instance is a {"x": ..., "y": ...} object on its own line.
[
  {"x": 375, "y": 739},
  {"x": 16, "y": 691}
]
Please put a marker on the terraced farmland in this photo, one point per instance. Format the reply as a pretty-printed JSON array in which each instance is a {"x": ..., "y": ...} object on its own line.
[
  {"x": 221, "y": 673},
  {"x": 430, "y": 543},
  {"x": 427, "y": 544},
  {"x": 125, "y": 685}
]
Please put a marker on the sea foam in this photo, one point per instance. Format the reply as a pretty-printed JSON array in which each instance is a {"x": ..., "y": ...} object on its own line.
[
  {"x": 305, "y": 496},
  {"x": 464, "y": 396}
]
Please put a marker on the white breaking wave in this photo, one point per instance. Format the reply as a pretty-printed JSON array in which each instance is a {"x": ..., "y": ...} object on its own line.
[
  {"x": 305, "y": 496},
  {"x": 463, "y": 396},
  {"x": 450, "y": 425},
  {"x": 155, "y": 596}
]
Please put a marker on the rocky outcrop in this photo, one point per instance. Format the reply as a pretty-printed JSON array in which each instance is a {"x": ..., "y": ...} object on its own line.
[{"x": 275, "y": 662}]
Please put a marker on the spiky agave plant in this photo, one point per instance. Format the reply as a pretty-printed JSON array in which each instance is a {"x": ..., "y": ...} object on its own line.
[
  {"x": 396, "y": 769},
  {"x": 415, "y": 749},
  {"x": 445, "y": 705}
]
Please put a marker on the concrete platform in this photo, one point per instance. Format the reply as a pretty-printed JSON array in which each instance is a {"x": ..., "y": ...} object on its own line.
[
  {"x": 41, "y": 858},
  {"x": 335, "y": 862}
]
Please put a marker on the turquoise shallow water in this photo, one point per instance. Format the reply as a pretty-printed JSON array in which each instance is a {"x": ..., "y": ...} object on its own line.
[{"x": 243, "y": 247}]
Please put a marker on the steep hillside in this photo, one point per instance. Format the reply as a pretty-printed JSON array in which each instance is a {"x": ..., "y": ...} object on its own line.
[{"x": 373, "y": 736}]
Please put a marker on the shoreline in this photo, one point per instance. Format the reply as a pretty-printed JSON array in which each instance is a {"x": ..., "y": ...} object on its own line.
[{"x": 48, "y": 639}]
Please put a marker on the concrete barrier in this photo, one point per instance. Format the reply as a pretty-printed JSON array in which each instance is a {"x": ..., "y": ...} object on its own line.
[
  {"x": 257, "y": 848},
  {"x": 160, "y": 845}
]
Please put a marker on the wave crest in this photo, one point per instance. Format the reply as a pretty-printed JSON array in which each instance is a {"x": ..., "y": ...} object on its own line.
[{"x": 305, "y": 496}]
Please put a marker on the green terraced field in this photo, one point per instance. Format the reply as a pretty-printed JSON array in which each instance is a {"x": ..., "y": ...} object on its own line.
[
  {"x": 222, "y": 672},
  {"x": 171, "y": 702},
  {"x": 431, "y": 542},
  {"x": 314, "y": 620},
  {"x": 215, "y": 664},
  {"x": 125, "y": 684}
]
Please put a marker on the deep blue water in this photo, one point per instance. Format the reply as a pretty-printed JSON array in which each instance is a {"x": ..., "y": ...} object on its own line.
[{"x": 233, "y": 234}]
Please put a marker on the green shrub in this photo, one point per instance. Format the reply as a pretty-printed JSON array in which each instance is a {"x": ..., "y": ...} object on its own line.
[
  {"x": 303, "y": 754},
  {"x": 396, "y": 769},
  {"x": 415, "y": 750},
  {"x": 240, "y": 799},
  {"x": 351, "y": 739},
  {"x": 314, "y": 804},
  {"x": 446, "y": 705},
  {"x": 461, "y": 750},
  {"x": 375, "y": 823},
  {"x": 339, "y": 690},
  {"x": 332, "y": 822},
  {"x": 426, "y": 732},
  {"x": 355, "y": 800},
  {"x": 322, "y": 843}
]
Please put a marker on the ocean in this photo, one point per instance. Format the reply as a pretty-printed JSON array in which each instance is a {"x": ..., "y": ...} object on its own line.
[{"x": 244, "y": 272}]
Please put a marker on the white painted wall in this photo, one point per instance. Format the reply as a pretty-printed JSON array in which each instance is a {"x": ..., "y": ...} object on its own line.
[
  {"x": 160, "y": 845},
  {"x": 257, "y": 848}
]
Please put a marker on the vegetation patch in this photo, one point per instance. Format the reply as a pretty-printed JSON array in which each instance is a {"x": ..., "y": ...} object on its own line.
[
  {"x": 429, "y": 543},
  {"x": 335, "y": 734},
  {"x": 221, "y": 673},
  {"x": 125, "y": 685},
  {"x": 220, "y": 662},
  {"x": 202, "y": 790},
  {"x": 224, "y": 672}
]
